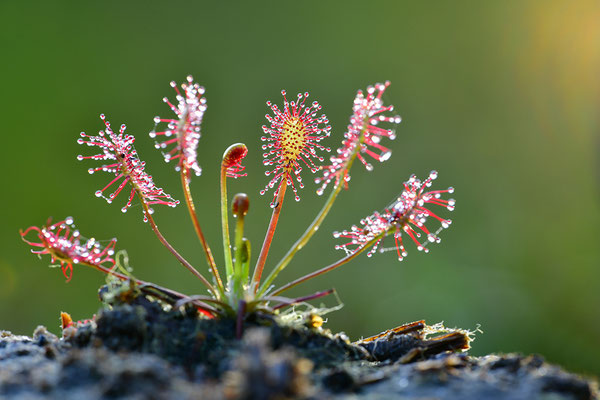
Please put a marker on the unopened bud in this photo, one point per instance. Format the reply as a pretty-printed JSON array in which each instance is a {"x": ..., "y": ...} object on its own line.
[
  {"x": 240, "y": 204},
  {"x": 245, "y": 251}
]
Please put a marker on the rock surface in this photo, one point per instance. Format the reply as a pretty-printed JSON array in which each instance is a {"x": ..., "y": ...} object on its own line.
[{"x": 140, "y": 351}]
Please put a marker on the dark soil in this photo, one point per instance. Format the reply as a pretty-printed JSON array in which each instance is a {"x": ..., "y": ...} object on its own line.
[{"x": 137, "y": 350}]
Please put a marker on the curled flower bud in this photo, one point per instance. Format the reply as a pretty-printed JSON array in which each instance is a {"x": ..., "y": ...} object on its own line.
[
  {"x": 362, "y": 137},
  {"x": 232, "y": 160},
  {"x": 64, "y": 244},
  {"x": 294, "y": 136},
  {"x": 184, "y": 132},
  {"x": 127, "y": 167},
  {"x": 240, "y": 204},
  {"x": 407, "y": 214}
]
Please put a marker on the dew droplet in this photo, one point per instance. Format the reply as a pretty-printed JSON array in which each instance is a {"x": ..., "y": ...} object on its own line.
[{"x": 385, "y": 156}]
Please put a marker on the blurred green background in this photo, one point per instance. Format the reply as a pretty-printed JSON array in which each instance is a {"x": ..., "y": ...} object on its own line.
[{"x": 502, "y": 98}]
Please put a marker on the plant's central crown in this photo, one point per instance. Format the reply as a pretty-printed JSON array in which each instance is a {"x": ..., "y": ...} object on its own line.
[{"x": 293, "y": 140}]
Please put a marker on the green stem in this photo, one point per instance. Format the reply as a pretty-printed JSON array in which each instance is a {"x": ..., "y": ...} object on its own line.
[
  {"x": 264, "y": 251},
  {"x": 316, "y": 224},
  {"x": 239, "y": 235},
  {"x": 312, "y": 228},
  {"x": 329, "y": 267},
  {"x": 178, "y": 256},
  {"x": 225, "y": 225},
  {"x": 237, "y": 267},
  {"x": 245, "y": 260},
  {"x": 185, "y": 182}
]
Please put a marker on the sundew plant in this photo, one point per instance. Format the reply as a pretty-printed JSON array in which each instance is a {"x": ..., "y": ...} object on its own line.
[{"x": 291, "y": 143}]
